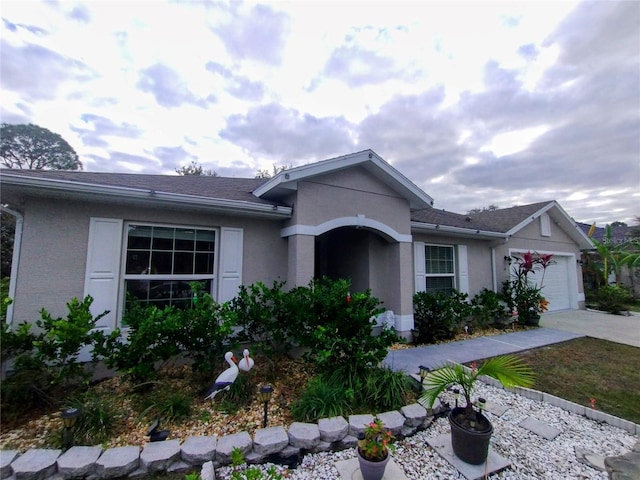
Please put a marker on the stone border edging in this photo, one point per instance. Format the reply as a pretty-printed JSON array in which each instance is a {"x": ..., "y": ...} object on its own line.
[{"x": 209, "y": 452}]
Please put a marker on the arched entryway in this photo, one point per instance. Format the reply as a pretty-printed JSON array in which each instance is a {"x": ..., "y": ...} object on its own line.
[{"x": 355, "y": 253}]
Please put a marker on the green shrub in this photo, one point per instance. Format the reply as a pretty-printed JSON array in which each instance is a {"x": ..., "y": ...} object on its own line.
[
  {"x": 269, "y": 318},
  {"x": 613, "y": 298},
  {"x": 488, "y": 307},
  {"x": 338, "y": 329},
  {"x": 151, "y": 340},
  {"x": 438, "y": 315},
  {"x": 63, "y": 338},
  {"x": 321, "y": 398},
  {"x": 204, "y": 330}
]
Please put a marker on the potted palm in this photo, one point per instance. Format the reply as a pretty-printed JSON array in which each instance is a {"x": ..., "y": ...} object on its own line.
[
  {"x": 470, "y": 429},
  {"x": 374, "y": 445}
]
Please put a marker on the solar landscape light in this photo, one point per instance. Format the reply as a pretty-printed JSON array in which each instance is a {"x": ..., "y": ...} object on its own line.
[
  {"x": 69, "y": 419},
  {"x": 265, "y": 396}
]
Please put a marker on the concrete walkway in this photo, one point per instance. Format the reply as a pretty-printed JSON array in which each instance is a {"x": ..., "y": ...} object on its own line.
[
  {"x": 555, "y": 328},
  {"x": 431, "y": 356}
]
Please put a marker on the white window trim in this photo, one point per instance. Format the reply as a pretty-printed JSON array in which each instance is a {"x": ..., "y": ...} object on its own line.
[
  {"x": 196, "y": 277},
  {"x": 440, "y": 275}
]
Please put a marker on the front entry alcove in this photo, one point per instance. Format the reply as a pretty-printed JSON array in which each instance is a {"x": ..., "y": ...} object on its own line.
[{"x": 358, "y": 254}]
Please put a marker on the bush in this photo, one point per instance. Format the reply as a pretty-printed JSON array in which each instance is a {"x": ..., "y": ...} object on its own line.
[
  {"x": 264, "y": 316},
  {"x": 613, "y": 298},
  {"x": 45, "y": 365},
  {"x": 63, "y": 338},
  {"x": 204, "y": 330},
  {"x": 151, "y": 340},
  {"x": 438, "y": 315},
  {"x": 488, "y": 307},
  {"x": 338, "y": 329}
]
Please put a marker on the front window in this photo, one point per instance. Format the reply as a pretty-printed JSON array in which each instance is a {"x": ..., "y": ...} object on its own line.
[
  {"x": 439, "y": 268},
  {"x": 162, "y": 260}
]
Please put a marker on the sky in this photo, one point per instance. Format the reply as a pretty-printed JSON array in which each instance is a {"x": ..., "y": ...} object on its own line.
[{"x": 478, "y": 103}]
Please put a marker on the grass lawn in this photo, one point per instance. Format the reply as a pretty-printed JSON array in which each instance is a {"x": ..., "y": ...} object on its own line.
[{"x": 587, "y": 368}]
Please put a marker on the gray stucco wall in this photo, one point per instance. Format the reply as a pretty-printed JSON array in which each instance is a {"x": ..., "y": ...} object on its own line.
[
  {"x": 346, "y": 194},
  {"x": 54, "y": 248}
]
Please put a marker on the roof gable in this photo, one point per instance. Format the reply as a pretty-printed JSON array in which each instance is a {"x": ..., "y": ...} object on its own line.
[{"x": 287, "y": 181}]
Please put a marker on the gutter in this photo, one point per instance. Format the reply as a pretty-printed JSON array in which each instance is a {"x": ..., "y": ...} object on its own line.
[
  {"x": 268, "y": 210},
  {"x": 436, "y": 228},
  {"x": 15, "y": 259}
]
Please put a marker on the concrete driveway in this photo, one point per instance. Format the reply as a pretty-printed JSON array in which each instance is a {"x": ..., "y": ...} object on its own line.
[{"x": 616, "y": 328}]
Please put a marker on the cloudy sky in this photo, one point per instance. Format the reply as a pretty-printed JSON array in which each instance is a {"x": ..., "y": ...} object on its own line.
[{"x": 478, "y": 103}]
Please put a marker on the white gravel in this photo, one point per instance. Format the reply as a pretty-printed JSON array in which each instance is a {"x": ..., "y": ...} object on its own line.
[{"x": 531, "y": 456}]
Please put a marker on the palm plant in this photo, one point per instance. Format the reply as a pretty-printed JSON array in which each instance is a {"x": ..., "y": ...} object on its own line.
[{"x": 509, "y": 370}]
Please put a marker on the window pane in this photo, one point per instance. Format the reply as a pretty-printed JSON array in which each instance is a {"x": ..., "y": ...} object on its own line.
[
  {"x": 163, "y": 292},
  {"x": 440, "y": 284},
  {"x": 163, "y": 238},
  {"x": 137, "y": 262},
  {"x": 183, "y": 263},
  {"x": 185, "y": 239},
  {"x": 438, "y": 259},
  {"x": 204, "y": 263},
  {"x": 161, "y": 263},
  {"x": 139, "y": 237},
  {"x": 205, "y": 241}
]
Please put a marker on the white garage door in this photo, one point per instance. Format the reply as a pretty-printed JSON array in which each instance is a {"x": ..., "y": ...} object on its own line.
[{"x": 556, "y": 284}]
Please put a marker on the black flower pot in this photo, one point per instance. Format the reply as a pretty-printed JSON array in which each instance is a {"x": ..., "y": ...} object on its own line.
[{"x": 470, "y": 445}]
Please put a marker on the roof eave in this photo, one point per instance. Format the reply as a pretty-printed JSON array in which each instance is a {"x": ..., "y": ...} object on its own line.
[
  {"x": 458, "y": 231},
  {"x": 287, "y": 179},
  {"x": 146, "y": 195}
]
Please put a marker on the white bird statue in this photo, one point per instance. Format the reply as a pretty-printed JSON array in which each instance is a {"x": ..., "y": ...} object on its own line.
[
  {"x": 247, "y": 362},
  {"x": 226, "y": 378}
]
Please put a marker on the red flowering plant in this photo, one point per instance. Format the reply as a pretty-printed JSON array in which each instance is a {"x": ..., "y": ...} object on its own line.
[
  {"x": 521, "y": 293},
  {"x": 376, "y": 442}
]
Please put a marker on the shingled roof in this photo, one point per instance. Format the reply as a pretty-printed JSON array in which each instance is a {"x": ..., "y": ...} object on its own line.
[
  {"x": 500, "y": 221},
  {"x": 206, "y": 186}
]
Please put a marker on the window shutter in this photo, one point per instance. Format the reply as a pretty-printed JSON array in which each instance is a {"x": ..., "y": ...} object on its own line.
[
  {"x": 103, "y": 268},
  {"x": 231, "y": 244},
  {"x": 463, "y": 269},
  {"x": 419, "y": 267}
]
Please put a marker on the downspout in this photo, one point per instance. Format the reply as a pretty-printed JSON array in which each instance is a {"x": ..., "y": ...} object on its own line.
[
  {"x": 15, "y": 259},
  {"x": 494, "y": 273}
]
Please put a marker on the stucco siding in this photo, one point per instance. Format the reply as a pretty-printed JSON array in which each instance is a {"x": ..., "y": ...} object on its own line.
[
  {"x": 55, "y": 242},
  {"x": 52, "y": 259},
  {"x": 350, "y": 193}
]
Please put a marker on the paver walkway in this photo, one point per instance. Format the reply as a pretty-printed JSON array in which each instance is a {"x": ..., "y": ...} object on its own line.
[{"x": 463, "y": 351}]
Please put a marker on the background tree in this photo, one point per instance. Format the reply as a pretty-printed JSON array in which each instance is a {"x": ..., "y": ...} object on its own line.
[
  {"x": 490, "y": 208},
  {"x": 276, "y": 170},
  {"x": 7, "y": 232},
  {"x": 31, "y": 147},
  {"x": 194, "y": 169}
]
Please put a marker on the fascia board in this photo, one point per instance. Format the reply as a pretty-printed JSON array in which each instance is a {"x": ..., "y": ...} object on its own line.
[
  {"x": 467, "y": 232},
  {"x": 147, "y": 195}
]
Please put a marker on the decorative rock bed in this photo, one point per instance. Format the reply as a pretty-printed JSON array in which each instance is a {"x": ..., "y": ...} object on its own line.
[{"x": 318, "y": 446}]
